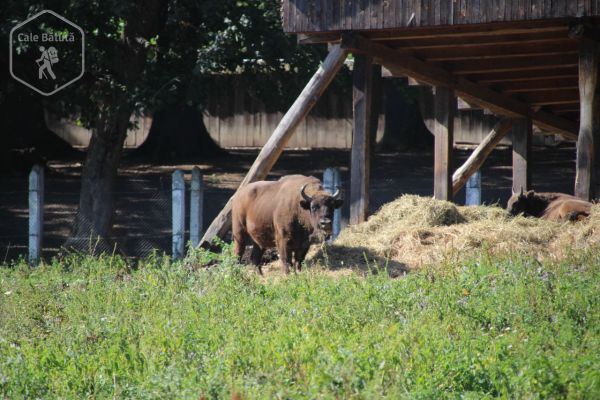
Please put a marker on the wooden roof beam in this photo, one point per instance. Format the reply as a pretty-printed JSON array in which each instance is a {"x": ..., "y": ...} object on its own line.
[
  {"x": 470, "y": 91},
  {"x": 564, "y": 83},
  {"x": 562, "y": 108},
  {"x": 546, "y": 98},
  {"x": 479, "y": 52},
  {"x": 532, "y": 63},
  {"x": 526, "y": 76},
  {"x": 502, "y": 40}
]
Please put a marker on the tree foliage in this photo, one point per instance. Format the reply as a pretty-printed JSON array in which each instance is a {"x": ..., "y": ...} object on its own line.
[{"x": 198, "y": 39}]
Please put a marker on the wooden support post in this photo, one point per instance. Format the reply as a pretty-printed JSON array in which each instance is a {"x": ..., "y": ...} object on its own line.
[
  {"x": 178, "y": 207},
  {"x": 521, "y": 151},
  {"x": 445, "y": 106},
  {"x": 589, "y": 129},
  {"x": 480, "y": 154},
  {"x": 360, "y": 159},
  {"x": 274, "y": 147},
  {"x": 36, "y": 213},
  {"x": 196, "y": 206},
  {"x": 331, "y": 182}
]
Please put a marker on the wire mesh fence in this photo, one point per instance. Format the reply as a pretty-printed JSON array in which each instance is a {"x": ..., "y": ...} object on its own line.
[{"x": 142, "y": 222}]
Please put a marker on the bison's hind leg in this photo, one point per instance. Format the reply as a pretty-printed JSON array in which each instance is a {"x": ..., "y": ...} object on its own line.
[
  {"x": 256, "y": 257},
  {"x": 240, "y": 240},
  {"x": 574, "y": 216}
]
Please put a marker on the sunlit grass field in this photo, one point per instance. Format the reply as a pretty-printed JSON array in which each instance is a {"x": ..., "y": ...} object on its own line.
[{"x": 88, "y": 327}]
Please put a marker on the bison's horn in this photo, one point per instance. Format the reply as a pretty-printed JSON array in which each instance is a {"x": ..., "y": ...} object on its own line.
[
  {"x": 521, "y": 191},
  {"x": 336, "y": 194},
  {"x": 304, "y": 195}
]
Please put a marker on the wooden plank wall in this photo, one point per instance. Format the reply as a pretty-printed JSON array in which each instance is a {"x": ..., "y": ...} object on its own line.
[
  {"x": 330, "y": 15},
  {"x": 470, "y": 126},
  {"x": 234, "y": 118},
  {"x": 329, "y": 125}
]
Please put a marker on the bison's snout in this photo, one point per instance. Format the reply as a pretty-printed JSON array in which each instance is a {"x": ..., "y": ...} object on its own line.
[{"x": 325, "y": 225}]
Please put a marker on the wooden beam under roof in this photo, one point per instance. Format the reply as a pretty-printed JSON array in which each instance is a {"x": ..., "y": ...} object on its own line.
[
  {"x": 516, "y": 76},
  {"x": 491, "y": 51},
  {"x": 564, "y": 83},
  {"x": 465, "y": 43},
  {"x": 543, "y": 98},
  {"x": 508, "y": 64},
  {"x": 564, "y": 108},
  {"x": 469, "y": 90}
]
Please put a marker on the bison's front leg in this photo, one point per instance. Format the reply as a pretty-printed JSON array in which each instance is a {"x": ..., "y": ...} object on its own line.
[
  {"x": 299, "y": 256},
  {"x": 283, "y": 248},
  {"x": 285, "y": 255}
]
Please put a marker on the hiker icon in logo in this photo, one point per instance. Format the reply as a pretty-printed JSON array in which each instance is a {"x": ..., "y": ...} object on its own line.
[{"x": 45, "y": 62}]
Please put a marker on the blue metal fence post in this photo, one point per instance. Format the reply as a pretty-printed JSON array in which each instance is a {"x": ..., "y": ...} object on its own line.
[
  {"x": 36, "y": 213},
  {"x": 331, "y": 182},
  {"x": 473, "y": 190},
  {"x": 196, "y": 207},
  {"x": 178, "y": 207}
]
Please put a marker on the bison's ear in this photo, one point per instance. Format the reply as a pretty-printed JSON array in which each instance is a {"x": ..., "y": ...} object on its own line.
[
  {"x": 338, "y": 203},
  {"x": 305, "y": 204}
]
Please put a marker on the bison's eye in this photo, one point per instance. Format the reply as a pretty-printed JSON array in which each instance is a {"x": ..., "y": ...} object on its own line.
[{"x": 314, "y": 207}]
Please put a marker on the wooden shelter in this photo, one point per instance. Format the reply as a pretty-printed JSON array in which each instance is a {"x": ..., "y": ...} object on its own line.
[{"x": 529, "y": 61}]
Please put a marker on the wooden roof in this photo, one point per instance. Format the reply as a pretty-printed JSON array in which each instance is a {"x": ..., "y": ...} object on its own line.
[
  {"x": 524, "y": 52},
  {"x": 303, "y": 16}
]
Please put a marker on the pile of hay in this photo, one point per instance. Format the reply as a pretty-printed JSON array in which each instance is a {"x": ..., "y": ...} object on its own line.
[{"x": 414, "y": 231}]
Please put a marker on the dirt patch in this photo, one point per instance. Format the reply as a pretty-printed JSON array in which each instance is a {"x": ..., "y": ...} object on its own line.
[{"x": 413, "y": 231}]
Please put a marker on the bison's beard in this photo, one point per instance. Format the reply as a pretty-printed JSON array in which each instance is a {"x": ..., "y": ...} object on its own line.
[{"x": 318, "y": 236}]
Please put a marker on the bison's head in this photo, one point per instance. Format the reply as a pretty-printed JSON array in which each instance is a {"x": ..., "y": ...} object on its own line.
[
  {"x": 321, "y": 206},
  {"x": 519, "y": 203}
]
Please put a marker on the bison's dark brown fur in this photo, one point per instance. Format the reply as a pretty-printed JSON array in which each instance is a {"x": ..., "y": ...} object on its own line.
[
  {"x": 281, "y": 214},
  {"x": 551, "y": 206}
]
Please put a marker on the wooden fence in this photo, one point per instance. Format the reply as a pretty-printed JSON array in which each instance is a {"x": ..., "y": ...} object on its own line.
[{"x": 234, "y": 118}]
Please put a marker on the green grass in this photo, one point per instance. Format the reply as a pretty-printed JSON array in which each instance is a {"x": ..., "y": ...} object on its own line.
[{"x": 93, "y": 328}]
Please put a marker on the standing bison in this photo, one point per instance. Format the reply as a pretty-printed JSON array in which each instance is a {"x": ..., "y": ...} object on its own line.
[
  {"x": 283, "y": 214},
  {"x": 551, "y": 206}
]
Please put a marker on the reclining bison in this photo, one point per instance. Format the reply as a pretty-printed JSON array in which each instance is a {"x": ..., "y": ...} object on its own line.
[
  {"x": 550, "y": 206},
  {"x": 281, "y": 214}
]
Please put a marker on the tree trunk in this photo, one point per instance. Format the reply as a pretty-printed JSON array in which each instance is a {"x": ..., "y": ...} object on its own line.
[
  {"x": 178, "y": 134},
  {"x": 404, "y": 127},
  {"x": 93, "y": 222}
]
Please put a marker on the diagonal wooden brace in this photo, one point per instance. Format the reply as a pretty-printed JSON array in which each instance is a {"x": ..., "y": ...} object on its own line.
[{"x": 272, "y": 150}]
